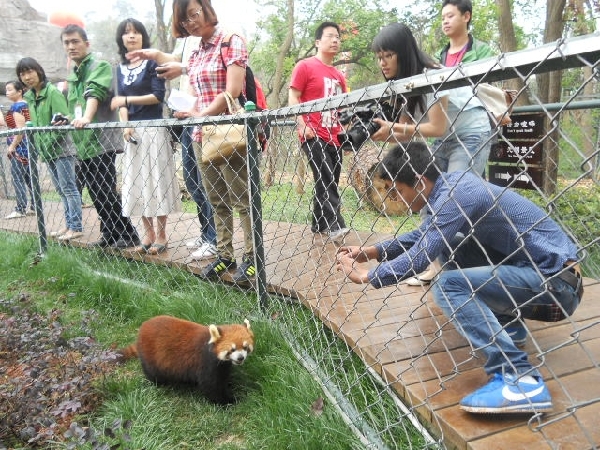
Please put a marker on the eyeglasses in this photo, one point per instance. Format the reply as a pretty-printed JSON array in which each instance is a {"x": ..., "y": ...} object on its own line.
[
  {"x": 385, "y": 56},
  {"x": 332, "y": 36},
  {"x": 191, "y": 19}
]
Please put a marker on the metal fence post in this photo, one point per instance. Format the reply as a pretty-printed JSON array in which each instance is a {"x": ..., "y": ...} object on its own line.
[{"x": 252, "y": 161}]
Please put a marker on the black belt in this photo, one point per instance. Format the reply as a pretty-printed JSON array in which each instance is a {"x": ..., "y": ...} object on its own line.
[{"x": 572, "y": 277}]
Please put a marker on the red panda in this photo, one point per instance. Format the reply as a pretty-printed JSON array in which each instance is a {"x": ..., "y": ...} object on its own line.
[{"x": 177, "y": 351}]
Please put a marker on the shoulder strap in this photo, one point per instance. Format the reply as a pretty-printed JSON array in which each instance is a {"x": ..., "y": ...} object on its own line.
[{"x": 226, "y": 43}]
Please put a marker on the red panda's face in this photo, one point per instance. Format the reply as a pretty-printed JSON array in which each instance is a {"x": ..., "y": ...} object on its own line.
[{"x": 232, "y": 342}]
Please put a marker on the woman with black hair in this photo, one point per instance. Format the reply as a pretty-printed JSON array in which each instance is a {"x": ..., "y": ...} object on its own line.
[
  {"x": 455, "y": 116},
  {"x": 150, "y": 186},
  {"x": 45, "y": 103}
]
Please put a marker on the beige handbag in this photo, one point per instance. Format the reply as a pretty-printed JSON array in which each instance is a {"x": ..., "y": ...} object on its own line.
[
  {"x": 497, "y": 101},
  {"x": 220, "y": 142}
]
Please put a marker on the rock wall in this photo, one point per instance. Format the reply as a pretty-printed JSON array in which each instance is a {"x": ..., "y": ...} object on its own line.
[{"x": 26, "y": 32}]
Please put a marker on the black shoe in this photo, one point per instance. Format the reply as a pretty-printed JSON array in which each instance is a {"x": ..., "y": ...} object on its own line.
[
  {"x": 217, "y": 268},
  {"x": 100, "y": 243},
  {"x": 125, "y": 243},
  {"x": 245, "y": 272}
]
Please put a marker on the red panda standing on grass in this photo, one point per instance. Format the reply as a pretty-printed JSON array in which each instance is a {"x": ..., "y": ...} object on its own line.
[{"x": 177, "y": 351}]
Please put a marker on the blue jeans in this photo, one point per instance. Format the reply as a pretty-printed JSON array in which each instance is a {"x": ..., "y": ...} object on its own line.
[
  {"x": 480, "y": 298},
  {"x": 62, "y": 172},
  {"x": 468, "y": 152},
  {"x": 193, "y": 184},
  {"x": 21, "y": 181}
]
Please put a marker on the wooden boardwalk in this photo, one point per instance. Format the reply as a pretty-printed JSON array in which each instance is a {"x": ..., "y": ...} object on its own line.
[{"x": 401, "y": 334}]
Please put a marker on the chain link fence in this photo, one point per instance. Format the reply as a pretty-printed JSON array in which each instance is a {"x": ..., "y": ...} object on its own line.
[{"x": 386, "y": 358}]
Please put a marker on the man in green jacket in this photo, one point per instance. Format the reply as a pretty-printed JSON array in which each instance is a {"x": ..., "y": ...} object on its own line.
[
  {"x": 88, "y": 88},
  {"x": 456, "y": 19}
]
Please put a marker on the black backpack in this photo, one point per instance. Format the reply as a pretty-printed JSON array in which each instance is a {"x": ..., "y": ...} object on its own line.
[{"x": 253, "y": 92}]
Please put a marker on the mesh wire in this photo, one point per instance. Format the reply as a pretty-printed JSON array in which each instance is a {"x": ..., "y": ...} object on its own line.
[{"x": 388, "y": 358}]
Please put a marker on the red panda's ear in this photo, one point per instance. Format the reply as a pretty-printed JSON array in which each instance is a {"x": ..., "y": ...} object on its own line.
[
  {"x": 247, "y": 322},
  {"x": 214, "y": 334}
]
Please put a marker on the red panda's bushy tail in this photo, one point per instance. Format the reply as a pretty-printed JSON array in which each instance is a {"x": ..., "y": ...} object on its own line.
[{"x": 127, "y": 353}]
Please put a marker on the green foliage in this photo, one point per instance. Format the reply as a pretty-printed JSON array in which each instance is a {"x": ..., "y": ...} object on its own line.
[
  {"x": 357, "y": 34},
  {"x": 577, "y": 209}
]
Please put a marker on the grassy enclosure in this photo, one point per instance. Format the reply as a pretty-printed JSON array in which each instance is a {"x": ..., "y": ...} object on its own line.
[{"x": 280, "y": 403}]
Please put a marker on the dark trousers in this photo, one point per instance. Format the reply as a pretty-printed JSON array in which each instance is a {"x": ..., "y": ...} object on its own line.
[
  {"x": 325, "y": 161},
  {"x": 100, "y": 177}
]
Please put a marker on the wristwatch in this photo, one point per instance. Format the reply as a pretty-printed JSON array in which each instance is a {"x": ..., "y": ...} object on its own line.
[{"x": 183, "y": 70}]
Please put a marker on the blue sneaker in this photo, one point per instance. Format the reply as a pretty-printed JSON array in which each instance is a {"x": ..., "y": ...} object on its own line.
[
  {"x": 508, "y": 394},
  {"x": 518, "y": 333}
]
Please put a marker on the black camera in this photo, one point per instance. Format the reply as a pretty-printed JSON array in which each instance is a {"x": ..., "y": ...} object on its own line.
[
  {"x": 361, "y": 125},
  {"x": 58, "y": 117}
]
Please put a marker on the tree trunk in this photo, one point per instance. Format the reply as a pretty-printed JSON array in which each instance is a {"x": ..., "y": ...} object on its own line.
[
  {"x": 586, "y": 121},
  {"x": 549, "y": 91},
  {"x": 281, "y": 56},
  {"x": 273, "y": 150},
  {"x": 508, "y": 43},
  {"x": 549, "y": 83},
  {"x": 363, "y": 178},
  {"x": 162, "y": 34}
]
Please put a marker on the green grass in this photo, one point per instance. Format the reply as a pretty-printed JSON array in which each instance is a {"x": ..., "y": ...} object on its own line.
[
  {"x": 282, "y": 203},
  {"x": 276, "y": 391}
]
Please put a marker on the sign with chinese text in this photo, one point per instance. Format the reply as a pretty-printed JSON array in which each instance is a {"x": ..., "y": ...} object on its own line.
[
  {"x": 516, "y": 159},
  {"x": 516, "y": 151}
]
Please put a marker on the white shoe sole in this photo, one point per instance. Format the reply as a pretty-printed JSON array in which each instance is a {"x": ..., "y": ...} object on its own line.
[
  {"x": 197, "y": 256},
  {"x": 70, "y": 235},
  {"x": 415, "y": 281},
  {"x": 339, "y": 234}
]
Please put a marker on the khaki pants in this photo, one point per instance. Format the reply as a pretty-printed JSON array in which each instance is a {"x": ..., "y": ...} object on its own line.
[{"x": 227, "y": 189}]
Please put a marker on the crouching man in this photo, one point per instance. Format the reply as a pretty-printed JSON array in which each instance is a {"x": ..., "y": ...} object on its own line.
[{"x": 503, "y": 261}]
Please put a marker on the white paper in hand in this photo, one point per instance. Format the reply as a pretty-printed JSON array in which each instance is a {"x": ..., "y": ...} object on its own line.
[{"x": 180, "y": 101}]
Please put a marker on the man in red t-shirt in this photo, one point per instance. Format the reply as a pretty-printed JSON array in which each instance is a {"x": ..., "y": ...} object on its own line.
[{"x": 315, "y": 78}]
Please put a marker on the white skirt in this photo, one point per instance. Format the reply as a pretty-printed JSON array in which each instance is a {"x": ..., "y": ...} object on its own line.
[{"x": 150, "y": 186}]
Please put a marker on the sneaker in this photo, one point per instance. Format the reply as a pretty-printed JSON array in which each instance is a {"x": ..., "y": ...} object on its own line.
[
  {"x": 424, "y": 278},
  {"x": 100, "y": 243},
  {"x": 518, "y": 333},
  {"x": 205, "y": 251},
  {"x": 58, "y": 233},
  {"x": 196, "y": 243},
  {"x": 70, "y": 235},
  {"x": 31, "y": 212},
  {"x": 338, "y": 234},
  {"x": 245, "y": 272},
  {"x": 509, "y": 394},
  {"x": 217, "y": 268},
  {"x": 15, "y": 215}
]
